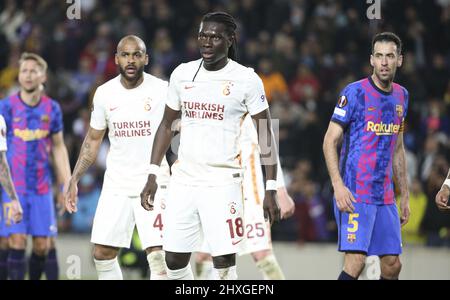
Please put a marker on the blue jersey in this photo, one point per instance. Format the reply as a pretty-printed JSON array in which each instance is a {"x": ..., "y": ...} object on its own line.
[
  {"x": 29, "y": 132},
  {"x": 372, "y": 120}
]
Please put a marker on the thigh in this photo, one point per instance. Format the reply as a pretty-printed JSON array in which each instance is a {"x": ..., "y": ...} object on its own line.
[
  {"x": 221, "y": 215},
  {"x": 113, "y": 221},
  {"x": 181, "y": 222},
  {"x": 386, "y": 238},
  {"x": 355, "y": 229},
  {"x": 42, "y": 217}
]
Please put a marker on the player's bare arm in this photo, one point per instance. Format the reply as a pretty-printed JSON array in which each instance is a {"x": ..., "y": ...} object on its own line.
[
  {"x": 87, "y": 157},
  {"x": 8, "y": 186},
  {"x": 62, "y": 165},
  {"x": 342, "y": 194},
  {"x": 443, "y": 195},
  {"x": 163, "y": 137},
  {"x": 399, "y": 168},
  {"x": 270, "y": 203}
]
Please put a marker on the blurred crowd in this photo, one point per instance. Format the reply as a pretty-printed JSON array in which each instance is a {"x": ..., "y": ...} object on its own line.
[{"x": 304, "y": 51}]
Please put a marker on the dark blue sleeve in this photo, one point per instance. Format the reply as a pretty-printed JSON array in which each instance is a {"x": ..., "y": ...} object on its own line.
[
  {"x": 406, "y": 103},
  {"x": 5, "y": 111},
  {"x": 345, "y": 106},
  {"x": 56, "y": 118}
]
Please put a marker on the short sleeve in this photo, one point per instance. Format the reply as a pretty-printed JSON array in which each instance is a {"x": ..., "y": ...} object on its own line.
[
  {"x": 345, "y": 106},
  {"x": 3, "y": 146},
  {"x": 173, "y": 96},
  {"x": 98, "y": 114},
  {"x": 256, "y": 100},
  {"x": 406, "y": 93},
  {"x": 56, "y": 118}
]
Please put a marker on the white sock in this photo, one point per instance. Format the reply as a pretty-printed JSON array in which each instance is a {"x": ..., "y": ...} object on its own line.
[
  {"x": 270, "y": 268},
  {"x": 226, "y": 273},
  {"x": 204, "y": 270},
  {"x": 108, "y": 269},
  {"x": 181, "y": 274},
  {"x": 157, "y": 263}
]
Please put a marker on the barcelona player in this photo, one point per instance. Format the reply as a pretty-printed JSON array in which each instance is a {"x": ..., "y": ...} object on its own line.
[
  {"x": 34, "y": 135},
  {"x": 369, "y": 118}
]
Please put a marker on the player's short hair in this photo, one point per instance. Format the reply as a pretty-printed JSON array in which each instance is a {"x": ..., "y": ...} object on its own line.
[
  {"x": 37, "y": 58},
  {"x": 387, "y": 37},
  {"x": 230, "y": 28}
]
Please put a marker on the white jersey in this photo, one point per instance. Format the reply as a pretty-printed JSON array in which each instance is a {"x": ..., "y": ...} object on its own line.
[
  {"x": 132, "y": 117},
  {"x": 3, "y": 146},
  {"x": 212, "y": 108},
  {"x": 249, "y": 141}
]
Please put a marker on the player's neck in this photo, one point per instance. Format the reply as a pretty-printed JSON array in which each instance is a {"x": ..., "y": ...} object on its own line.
[
  {"x": 131, "y": 84},
  {"x": 30, "y": 99},
  {"x": 216, "y": 66},
  {"x": 384, "y": 86}
]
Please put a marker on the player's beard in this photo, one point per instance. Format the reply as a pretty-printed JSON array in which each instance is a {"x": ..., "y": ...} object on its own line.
[
  {"x": 136, "y": 77},
  {"x": 386, "y": 80}
]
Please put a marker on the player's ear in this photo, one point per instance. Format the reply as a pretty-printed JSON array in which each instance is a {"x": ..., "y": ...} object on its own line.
[
  {"x": 371, "y": 60},
  {"x": 116, "y": 59},
  {"x": 146, "y": 59},
  {"x": 400, "y": 60}
]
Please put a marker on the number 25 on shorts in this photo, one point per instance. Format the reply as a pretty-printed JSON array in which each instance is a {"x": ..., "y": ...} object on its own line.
[{"x": 353, "y": 222}]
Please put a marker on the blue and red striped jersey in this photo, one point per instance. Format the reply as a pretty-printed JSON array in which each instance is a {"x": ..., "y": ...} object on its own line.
[
  {"x": 29, "y": 132},
  {"x": 372, "y": 120}
]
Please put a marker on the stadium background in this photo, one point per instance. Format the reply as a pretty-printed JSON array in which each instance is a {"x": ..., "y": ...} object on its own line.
[{"x": 305, "y": 52}]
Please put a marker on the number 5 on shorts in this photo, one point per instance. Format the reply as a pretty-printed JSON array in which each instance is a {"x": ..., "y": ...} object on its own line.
[{"x": 353, "y": 222}]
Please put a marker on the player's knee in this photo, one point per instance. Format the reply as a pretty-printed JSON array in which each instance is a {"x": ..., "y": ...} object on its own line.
[
  {"x": 104, "y": 252},
  {"x": 3, "y": 243},
  {"x": 17, "y": 241},
  {"x": 390, "y": 267},
  {"x": 354, "y": 264},
  {"x": 224, "y": 261},
  {"x": 259, "y": 255},
  {"x": 175, "y": 261}
]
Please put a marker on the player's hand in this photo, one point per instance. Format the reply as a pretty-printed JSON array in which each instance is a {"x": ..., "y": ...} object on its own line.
[
  {"x": 17, "y": 212},
  {"x": 71, "y": 197},
  {"x": 287, "y": 205},
  {"x": 405, "y": 211},
  {"x": 442, "y": 199},
  {"x": 148, "y": 193},
  {"x": 344, "y": 199},
  {"x": 271, "y": 207}
]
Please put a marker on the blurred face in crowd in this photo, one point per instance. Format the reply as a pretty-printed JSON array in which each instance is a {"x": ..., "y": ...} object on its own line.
[
  {"x": 385, "y": 60},
  {"x": 131, "y": 58},
  {"x": 31, "y": 75},
  {"x": 214, "y": 43}
]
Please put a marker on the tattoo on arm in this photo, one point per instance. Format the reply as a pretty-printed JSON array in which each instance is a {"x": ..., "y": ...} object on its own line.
[
  {"x": 5, "y": 177},
  {"x": 88, "y": 155}
]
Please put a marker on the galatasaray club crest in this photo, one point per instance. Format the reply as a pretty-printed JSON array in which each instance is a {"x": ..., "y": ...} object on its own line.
[
  {"x": 147, "y": 106},
  {"x": 351, "y": 238},
  {"x": 44, "y": 118},
  {"x": 399, "y": 110},
  {"x": 227, "y": 88},
  {"x": 232, "y": 207}
]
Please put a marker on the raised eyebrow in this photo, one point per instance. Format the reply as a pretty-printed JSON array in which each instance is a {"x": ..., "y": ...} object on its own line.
[{"x": 128, "y": 53}]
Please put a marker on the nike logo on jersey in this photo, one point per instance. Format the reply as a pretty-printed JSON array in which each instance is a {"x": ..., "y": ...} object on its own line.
[
  {"x": 187, "y": 87},
  {"x": 236, "y": 242},
  {"x": 113, "y": 108}
]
